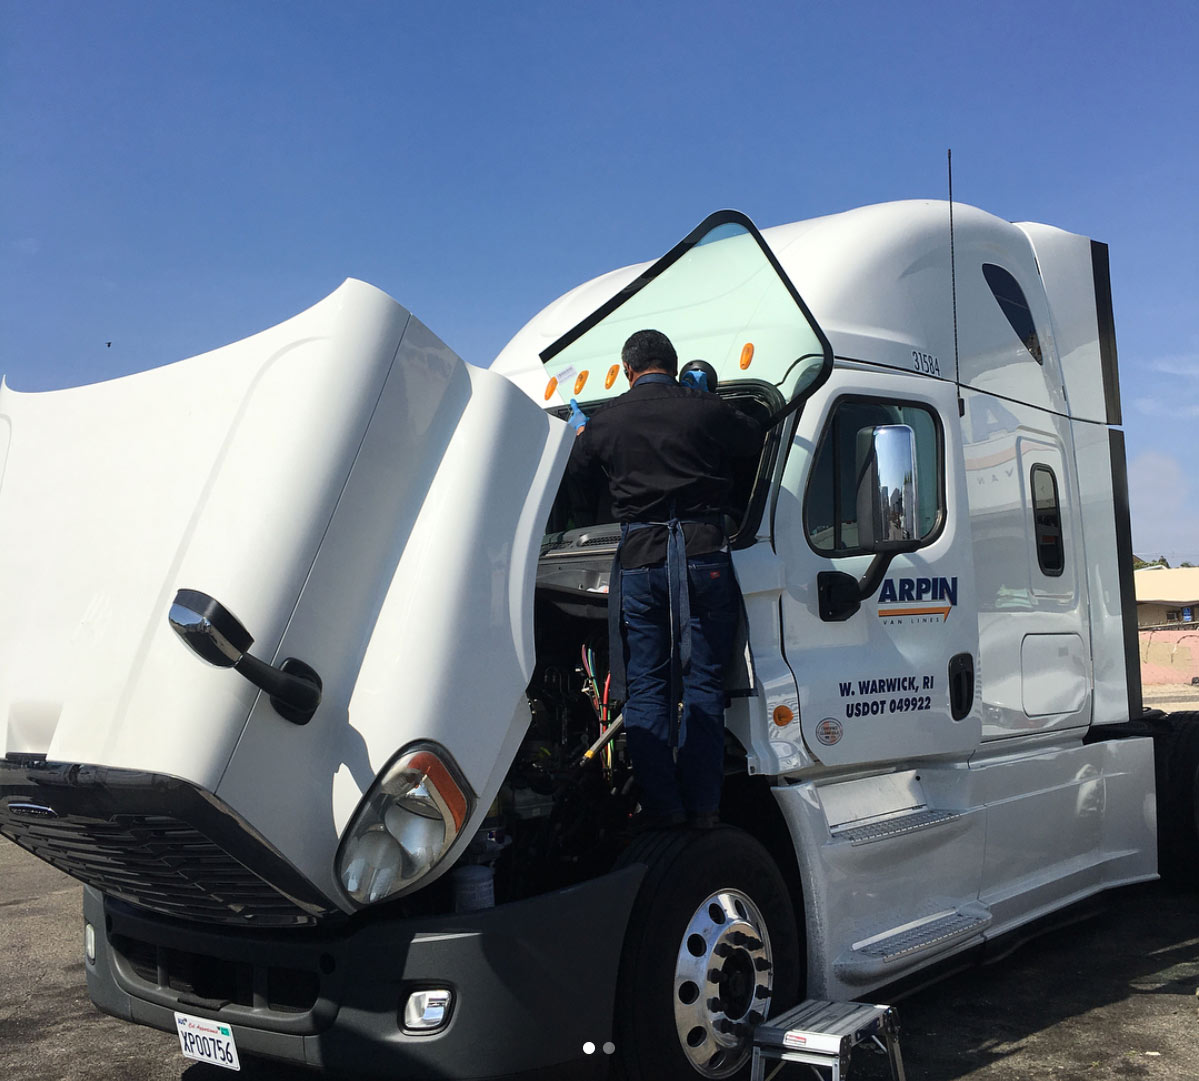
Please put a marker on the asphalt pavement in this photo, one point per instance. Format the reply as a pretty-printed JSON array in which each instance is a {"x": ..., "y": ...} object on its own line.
[
  {"x": 1171, "y": 697},
  {"x": 1113, "y": 997},
  {"x": 49, "y": 1030}
]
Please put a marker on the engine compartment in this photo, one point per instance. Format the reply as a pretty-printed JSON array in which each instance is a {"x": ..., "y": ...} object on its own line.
[
  {"x": 563, "y": 817},
  {"x": 559, "y": 819}
]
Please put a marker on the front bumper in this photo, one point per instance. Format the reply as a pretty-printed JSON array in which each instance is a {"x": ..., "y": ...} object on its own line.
[{"x": 534, "y": 981}]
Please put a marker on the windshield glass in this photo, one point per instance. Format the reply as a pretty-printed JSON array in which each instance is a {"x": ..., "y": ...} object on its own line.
[{"x": 719, "y": 296}]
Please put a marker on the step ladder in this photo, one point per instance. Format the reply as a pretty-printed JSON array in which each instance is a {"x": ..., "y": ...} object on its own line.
[{"x": 822, "y": 1034}]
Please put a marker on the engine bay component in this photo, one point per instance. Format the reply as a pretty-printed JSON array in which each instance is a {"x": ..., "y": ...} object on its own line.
[{"x": 565, "y": 805}]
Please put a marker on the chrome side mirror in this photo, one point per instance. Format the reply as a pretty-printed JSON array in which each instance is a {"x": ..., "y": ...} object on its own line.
[
  {"x": 887, "y": 500},
  {"x": 216, "y": 636},
  {"x": 887, "y": 495},
  {"x": 208, "y": 628}
]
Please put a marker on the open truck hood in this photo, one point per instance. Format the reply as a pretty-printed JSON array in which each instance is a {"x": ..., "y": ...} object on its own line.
[{"x": 353, "y": 492}]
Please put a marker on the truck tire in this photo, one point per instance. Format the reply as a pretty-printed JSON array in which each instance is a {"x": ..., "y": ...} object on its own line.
[
  {"x": 1178, "y": 800},
  {"x": 711, "y": 949}
]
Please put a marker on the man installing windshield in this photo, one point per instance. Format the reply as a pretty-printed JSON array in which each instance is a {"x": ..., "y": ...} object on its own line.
[{"x": 666, "y": 453}]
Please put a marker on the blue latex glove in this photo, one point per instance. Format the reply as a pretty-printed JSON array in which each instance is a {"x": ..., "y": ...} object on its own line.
[
  {"x": 577, "y": 419},
  {"x": 694, "y": 378}
]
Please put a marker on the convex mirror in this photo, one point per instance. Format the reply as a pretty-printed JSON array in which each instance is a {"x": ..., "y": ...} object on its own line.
[{"x": 887, "y": 491}]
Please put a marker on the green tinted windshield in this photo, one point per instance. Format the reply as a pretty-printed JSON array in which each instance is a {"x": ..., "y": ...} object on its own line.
[{"x": 719, "y": 296}]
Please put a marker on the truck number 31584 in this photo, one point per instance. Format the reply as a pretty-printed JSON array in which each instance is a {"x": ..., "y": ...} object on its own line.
[{"x": 926, "y": 363}]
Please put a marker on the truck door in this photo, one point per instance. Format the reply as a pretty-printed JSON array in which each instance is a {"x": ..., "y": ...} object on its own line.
[{"x": 897, "y": 678}]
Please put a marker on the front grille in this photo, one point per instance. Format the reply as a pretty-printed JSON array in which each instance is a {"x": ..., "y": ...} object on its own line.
[
  {"x": 156, "y": 862},
  {"x": 217, "y": 980}
]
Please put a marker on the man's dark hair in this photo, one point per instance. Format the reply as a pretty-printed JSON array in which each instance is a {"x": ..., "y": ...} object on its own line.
[{"x": 649, "y": 349}]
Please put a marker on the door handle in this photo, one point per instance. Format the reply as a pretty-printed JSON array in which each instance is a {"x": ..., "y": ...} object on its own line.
[{"x": 961, "y": 684}]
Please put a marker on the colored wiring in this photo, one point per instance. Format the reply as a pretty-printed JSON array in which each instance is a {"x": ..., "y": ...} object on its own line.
[
  {"x": 589, "y": 672},
  {"x": 608, "y": 760},
  {"x": 599, "y": 702}
]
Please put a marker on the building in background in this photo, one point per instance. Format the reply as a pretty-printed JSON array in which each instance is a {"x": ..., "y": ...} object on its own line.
[
  {"x": 1168, "y": 620},
  {"x": 1167, "y": 597}
]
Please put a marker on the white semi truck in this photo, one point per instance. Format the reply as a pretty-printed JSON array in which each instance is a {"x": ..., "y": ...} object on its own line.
[{"x": 302, "y": 649}]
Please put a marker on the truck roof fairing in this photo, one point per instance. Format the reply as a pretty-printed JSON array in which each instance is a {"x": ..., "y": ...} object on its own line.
[{"x": 879, "y": 281}]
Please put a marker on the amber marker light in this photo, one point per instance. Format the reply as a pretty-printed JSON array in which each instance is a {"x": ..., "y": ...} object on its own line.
[
  {"x": 782, "y": 714},
  {"x": 747, "y": 355},
  {"x": 579, "y": 383},
  {"x": 550, "y": 387},
  {"x": 610, "y": 378}
]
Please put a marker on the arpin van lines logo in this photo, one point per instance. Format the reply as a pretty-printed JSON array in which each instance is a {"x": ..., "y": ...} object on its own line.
[{"x": 917, "y": 600}]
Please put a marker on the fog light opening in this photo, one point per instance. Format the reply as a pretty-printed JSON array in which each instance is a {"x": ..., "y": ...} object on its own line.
[
  {"x": 89, "y": 942},
  {"x": 428, "y": 1010}
]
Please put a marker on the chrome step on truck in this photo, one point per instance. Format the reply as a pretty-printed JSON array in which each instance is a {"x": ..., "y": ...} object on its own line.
[{"x": 304, "y": 644}]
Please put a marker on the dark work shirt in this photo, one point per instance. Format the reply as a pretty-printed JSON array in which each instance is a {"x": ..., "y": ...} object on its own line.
[{"x": 664, "y": 451}]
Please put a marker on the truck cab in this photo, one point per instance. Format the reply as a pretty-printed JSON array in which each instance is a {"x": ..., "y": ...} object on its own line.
[{"x": 314, "y": 701}]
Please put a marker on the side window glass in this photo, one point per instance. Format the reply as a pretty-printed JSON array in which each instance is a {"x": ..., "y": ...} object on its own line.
[
  {"x": 1012, "y": 301},
  {"x": 830, "y": 508},
  {"x": 1047, "y": 519}
]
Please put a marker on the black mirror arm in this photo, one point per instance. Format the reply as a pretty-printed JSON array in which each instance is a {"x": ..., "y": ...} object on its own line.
[
  {"x": 841, "y": 594},
  {"x": 294, "y": 688},
  {"x": 218, "y": 637},
  {"x": 873, "y": 578}
]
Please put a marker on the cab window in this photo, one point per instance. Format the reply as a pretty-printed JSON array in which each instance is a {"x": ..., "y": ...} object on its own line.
[
  {"x": 1012, "y": 303},
  {"x": 830, "y": 508},
  {"x": 1047, "y": 519}
]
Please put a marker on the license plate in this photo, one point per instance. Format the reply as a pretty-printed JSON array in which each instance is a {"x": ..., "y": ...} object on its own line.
[{"x": 207, "y": 1041}]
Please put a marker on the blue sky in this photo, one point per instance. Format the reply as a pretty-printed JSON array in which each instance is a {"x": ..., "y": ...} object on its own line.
[{"x": 178, "y": 176}]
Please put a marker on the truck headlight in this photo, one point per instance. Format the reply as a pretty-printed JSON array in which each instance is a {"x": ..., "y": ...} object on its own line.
[{"x": 404, "y": 826}]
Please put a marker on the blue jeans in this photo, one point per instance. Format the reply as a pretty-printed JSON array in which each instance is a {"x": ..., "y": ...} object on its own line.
[{"x": 690, "y": 784}]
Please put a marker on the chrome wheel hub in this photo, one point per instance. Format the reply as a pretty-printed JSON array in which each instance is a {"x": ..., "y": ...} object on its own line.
[{"x": 722, "y": 982}]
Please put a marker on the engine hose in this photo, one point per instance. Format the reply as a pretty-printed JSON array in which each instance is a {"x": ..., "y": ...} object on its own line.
[{"x": 603, "y": 741}]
